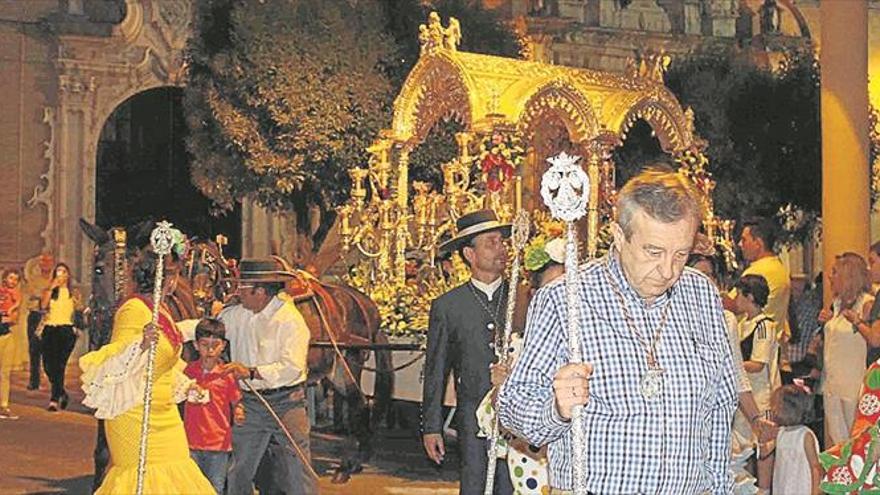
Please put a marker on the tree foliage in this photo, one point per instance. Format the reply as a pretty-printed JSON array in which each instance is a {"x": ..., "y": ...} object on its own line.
[
  {"x": 285, "y": 95},
  {"x": 762, "y": 128}
]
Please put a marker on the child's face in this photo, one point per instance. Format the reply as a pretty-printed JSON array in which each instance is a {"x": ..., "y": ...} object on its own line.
[
  {"x": 210, "y": 347},
  {"x": 11, "y": 280}
]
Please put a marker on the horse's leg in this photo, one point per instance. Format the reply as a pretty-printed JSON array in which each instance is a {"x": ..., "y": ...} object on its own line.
[
  {"x": 357, "y": 445},
  {"x": 384, "y": 387}
]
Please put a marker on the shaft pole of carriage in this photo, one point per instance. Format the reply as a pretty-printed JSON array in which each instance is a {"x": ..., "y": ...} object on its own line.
[{"x": 303, "y": 458}]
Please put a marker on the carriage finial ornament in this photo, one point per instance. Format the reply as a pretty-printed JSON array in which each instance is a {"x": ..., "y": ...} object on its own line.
[{"x": 565, "y": 187}]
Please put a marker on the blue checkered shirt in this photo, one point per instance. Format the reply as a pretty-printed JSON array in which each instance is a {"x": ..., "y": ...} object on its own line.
[{"x": 678, "y": 443}]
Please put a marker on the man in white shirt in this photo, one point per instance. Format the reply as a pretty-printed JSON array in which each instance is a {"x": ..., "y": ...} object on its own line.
[{"x": 269, "y": 344}]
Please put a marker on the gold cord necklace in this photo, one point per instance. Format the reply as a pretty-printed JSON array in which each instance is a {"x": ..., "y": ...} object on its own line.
[{"x": 651, "y": 384}]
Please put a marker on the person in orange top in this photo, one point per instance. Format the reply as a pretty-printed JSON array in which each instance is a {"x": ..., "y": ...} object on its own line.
[{"x": 208, "y": 413}]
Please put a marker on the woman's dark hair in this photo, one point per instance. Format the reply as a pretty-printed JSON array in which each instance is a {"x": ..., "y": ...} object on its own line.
[
  {"x": 143, "y": 269},
  {"x": 57, "y": 290},
  {"x": 795, "y": 406},
  {"x": 755, "y": 286}
]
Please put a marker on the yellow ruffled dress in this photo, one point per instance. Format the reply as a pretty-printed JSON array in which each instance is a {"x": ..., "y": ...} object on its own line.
[{"x": 113, "y": 379}]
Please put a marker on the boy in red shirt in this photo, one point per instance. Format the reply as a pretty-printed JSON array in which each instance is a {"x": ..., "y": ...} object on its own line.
[{"x": 209, "y": 411}]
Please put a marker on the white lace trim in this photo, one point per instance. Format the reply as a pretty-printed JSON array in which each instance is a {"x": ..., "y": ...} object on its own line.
[
  {"x": 116, "y": 385},
  {"x": 180, "y": 384}
]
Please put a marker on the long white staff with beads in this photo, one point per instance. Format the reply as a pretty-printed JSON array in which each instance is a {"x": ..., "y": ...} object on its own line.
[
  {"x": 565, "y": 188},
  {"x": 162, "y": 240},
  {"x": 519, "y": 237}
]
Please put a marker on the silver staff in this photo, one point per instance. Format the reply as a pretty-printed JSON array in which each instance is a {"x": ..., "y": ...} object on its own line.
[
  {"x": 519, "y": 237},
  {"x": 565, "y": 188},
  {"x": 161, "y": 239}
]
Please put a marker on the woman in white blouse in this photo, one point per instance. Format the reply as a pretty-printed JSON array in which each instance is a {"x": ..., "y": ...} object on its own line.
[{"x": 845, "y": 347}]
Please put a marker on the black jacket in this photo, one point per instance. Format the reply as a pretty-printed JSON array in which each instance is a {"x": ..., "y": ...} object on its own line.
[{"x": 459, "y": 340}]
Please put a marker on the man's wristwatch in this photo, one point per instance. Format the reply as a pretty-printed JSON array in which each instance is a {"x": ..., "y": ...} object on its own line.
[{"x": 252, "y": 372}]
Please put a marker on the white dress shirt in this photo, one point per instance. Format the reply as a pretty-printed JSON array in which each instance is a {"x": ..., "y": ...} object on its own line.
[{"x": 275, "y": 341}]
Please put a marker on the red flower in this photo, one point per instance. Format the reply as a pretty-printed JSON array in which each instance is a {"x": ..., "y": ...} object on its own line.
[{"x": 497, "y": 170}]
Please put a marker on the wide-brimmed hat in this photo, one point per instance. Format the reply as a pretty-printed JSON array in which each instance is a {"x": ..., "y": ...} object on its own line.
[
  {"x": 470, "y": 225},
  {"x": 265, "y": 270}
]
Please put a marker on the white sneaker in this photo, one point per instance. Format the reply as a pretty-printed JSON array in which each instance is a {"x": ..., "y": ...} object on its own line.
[{"x": 5, "y": 413}]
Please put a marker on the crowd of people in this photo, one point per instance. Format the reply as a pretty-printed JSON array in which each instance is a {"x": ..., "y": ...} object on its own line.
[
  {"x": 692, "y": 381},
  {"x": 209, "y": 429},
  {"x": 44, "y": 309}
]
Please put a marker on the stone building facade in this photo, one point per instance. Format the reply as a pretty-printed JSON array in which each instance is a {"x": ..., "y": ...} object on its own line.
[{"x": 66, "y": 65}]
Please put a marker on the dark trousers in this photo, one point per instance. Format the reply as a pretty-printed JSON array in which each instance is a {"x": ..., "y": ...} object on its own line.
[
  {"x": 34, "y": 348},
  {"x": 473, "y": 450},
  {"x": 260, "y": 434},
  {"x": 58, "y": 343}
]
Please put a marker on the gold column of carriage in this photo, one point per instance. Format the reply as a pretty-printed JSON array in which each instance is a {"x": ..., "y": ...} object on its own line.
[{"x": 515, "y": 115}]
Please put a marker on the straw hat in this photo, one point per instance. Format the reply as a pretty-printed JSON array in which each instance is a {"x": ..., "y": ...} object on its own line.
[{"x": 470, "y": 225}]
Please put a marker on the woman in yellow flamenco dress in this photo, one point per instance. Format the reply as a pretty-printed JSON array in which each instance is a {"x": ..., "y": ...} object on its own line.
[{"x": 113, "y": 379}]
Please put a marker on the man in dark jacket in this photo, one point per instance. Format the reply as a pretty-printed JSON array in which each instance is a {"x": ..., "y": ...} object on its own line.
[{"x": 462, "y": 330}]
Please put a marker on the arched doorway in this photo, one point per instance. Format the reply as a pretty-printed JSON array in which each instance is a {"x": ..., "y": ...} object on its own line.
[{"x": 143, "y": 170}]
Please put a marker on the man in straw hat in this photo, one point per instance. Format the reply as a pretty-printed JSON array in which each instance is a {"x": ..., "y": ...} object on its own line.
[
  {"x": 657, "y": 383},
  {"x": 462, "y": 330},
  {"x": 269, "y": 344}
]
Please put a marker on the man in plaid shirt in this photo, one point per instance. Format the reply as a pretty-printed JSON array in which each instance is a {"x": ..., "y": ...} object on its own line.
[{"x": 639, "y": 310}]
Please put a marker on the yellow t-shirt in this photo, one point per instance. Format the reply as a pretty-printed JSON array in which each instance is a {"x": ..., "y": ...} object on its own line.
[
  {"x": 779, "y": 282},
  {"x": 61, "y": 309}
]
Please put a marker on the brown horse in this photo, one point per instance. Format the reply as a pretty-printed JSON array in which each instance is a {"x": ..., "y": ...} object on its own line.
[{"x": 337, "y": 315}]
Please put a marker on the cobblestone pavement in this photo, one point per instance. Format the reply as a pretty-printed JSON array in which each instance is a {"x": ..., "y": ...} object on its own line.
[{"x": 45, "y": 452}]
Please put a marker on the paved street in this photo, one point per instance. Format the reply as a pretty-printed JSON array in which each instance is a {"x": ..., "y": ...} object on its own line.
[{"x": 47, "y": 452}]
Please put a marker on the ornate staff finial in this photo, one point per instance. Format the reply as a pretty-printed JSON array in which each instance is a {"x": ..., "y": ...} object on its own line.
[
  {"x": 162, "y": 238},
  {"x": 565, "y": 188}
]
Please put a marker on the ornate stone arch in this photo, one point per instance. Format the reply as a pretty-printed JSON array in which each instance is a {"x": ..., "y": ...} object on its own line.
[
  {"x": 672, "y": 126},
  {"x": 96, "y": 74},
  {"x": 559, "y": 99},
  {"x": 437, "y": 88}
]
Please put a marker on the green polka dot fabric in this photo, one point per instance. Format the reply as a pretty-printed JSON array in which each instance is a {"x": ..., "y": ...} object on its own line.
[{"x": 526, "y": 463}]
